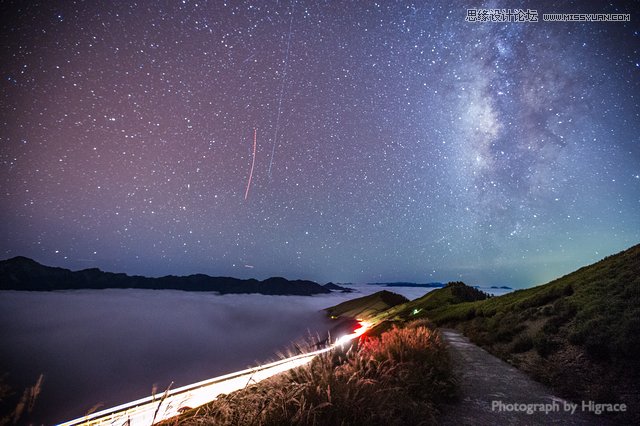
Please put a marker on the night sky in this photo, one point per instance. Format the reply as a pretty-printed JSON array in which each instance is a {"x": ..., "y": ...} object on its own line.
[{"x": 393, "y": 140}]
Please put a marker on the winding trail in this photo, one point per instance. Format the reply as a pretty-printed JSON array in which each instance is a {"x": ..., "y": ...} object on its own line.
[{"x": 485, "y": 379}]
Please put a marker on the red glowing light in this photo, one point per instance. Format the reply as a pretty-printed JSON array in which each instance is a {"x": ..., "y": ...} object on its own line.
[{"x": 359, "y": 331}]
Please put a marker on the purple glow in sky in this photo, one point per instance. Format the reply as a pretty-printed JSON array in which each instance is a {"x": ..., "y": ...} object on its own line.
[{"x": 395, "y": 141}]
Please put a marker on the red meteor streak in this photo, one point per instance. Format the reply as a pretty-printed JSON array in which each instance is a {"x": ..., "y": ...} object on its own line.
[{"x": 253, "y": 162}]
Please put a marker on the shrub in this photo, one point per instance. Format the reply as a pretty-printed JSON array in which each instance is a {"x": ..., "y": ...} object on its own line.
[
  {"x": 463, "y": 293},
  {"x": 568, "y": 290},
  {"x": 506, "y": 332},
  {"x": 544, "y": 345},
  {"x": 522, "y": 344},
  {"x": 542, "y": 296},
  {"x": 547, "y": 310},
  {"x": 470, "y": 314}
]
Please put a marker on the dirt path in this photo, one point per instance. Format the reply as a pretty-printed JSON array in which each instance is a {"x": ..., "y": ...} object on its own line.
[{"x": 488, "y": 384}]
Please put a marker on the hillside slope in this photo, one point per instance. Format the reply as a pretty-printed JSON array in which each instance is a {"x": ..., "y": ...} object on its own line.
[
  {"x": 367, "y": 306},
  {"x": 439, "y": 300},
  {"x": 579, "y": 333}
]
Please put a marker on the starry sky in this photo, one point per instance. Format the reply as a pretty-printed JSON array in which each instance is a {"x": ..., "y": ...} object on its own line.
[{"x": 393, "y": 140}]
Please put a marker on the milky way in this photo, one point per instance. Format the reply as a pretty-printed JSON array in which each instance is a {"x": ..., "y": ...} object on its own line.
[{"x": 395, "y": 141}]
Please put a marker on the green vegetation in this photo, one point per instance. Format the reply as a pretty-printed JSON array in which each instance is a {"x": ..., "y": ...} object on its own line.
[
  {"x": 397, "y": 379},
  {"x": 434, "y": 302},
  {"x": 579, "y": 333},
  {"x": 367, "y": 306},
  {"x": 596, "y": 307}
]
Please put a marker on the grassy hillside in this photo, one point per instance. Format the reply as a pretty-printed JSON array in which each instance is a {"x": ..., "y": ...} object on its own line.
[
  {"x": 368, "y": 306},
  {"x": 596, "y": 308},
  {"x": 579, "y": 333},
  {"x": 436, "y": 301}
]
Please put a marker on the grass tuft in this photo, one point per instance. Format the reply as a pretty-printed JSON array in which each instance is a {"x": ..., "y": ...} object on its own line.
[{"x": 23, "y": 407}]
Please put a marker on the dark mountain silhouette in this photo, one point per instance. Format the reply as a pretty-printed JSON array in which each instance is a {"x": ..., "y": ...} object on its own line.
[
  {"x": 408, "y": 284},
  {"x": 336, "y": 287},
  {"x": 21, "y": 273}
]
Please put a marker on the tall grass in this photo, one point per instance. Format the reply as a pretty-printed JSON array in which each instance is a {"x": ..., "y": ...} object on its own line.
[
  {"x": 23, "y": 407},
  {"x": 396, "y": 379}
]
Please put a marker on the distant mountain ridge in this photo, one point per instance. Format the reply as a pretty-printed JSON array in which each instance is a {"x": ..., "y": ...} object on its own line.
[
  {"x": 22, "y": 273},
  {"x": 336, "y": 287},
  {"x": 408, "y": 284}
]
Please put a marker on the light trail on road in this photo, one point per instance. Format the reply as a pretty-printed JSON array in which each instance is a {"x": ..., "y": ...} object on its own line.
[{"x": 154, "y": 409}]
